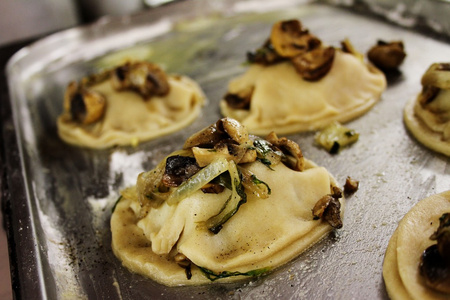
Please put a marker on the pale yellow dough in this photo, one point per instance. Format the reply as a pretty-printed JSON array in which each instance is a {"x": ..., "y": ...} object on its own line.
[
  {"x": 263, "y": 233},
  {"x": 129, "y": 119},
  {"x": 432, "y": 130},
  {"x": 401, "y": 262},
  {"x": 285, "y": 103}
]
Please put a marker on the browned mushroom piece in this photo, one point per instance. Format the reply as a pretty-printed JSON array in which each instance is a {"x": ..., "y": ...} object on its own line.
[
  {"x": 387, "y": 55},
  {"x": 249, "y": 156},
  {"x": 314, "y": 64},
  {"x": 212, "y": 188},
  {"x": 241, "y": 99},
  {"x": 179, "y": 169},
  {"x": 351, "y": 185},
  {"x": 223, "y": 129},
  {"x": 226, "y": 138},
  {"x": 435, "y": 261},
  {"x": 206, "y": 137},
  {"x": 293, "y": 156},
  {"x": 235, "y": 130},
  {"x": 265, "y": 55},
  {"x": 328, "y": 208},
  {"x": 428, "y": 94},
  {"x": 289, "y": 39},
  {"x": 84, "y": 106},
  {"x": 442, "y": 236},
  {"x": 437, "y": 75},
  {"x": 143, "y": 77}
]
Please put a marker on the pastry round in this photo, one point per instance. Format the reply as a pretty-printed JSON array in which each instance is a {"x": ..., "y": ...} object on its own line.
[
  {"x": 130, "y": 118},
  {"x": 424, "y": 134},
  {"x": 401, "y": 263},
  {"x": 268, "y": 229},
  {"x": 428, "y": 115},
  {"x": 277, "y": 96}
]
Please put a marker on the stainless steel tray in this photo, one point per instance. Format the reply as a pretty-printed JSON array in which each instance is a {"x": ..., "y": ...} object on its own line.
[{"x": 62, "y": 196}]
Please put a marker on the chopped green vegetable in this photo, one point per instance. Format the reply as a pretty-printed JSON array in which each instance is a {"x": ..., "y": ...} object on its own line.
[
  {"x": 214, "y": 276},
  {"x": 265, "y": 162},
  {"x": 335, "y": 136},
  {"x": 232, "y": 204}
]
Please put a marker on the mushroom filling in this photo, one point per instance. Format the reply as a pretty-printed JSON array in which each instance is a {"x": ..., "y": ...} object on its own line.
[
  {"x": 143, "y": 77},
  {"x": 265, "y": 55},
  {"x": 179, "y": 169},
  {"x": 86, "y": 106},
  {"x": 435, "y": 261},
  {"x": 241, "y": 100},
  {"x": 292, "y": 154},
  {"x": 314, "y": 64},
  {"x": 83, "y": 105},
  {"x": 428, "y": 94},
  {"x": 329, "y": 208},
  {"x": 351, "y": 185},
  {"x": 289, "y": 41},
  {"x": 387, "y": 55},
  {"x": 210, "y": 162},
  {"x": 435, "y": 79}
]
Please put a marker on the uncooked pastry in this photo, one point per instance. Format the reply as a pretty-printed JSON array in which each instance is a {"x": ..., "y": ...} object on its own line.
[{"x": 272, "y": 227}]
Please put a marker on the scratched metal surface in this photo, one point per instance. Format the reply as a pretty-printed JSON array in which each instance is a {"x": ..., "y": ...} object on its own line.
[{"x": 68, "y": 192}]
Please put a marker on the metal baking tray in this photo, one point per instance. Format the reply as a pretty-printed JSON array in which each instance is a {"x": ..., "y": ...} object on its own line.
[{"x": 61, "y": 196}]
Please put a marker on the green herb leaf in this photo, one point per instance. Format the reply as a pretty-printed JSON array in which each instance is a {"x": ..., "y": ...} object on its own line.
[
  {"x": 258, "y": 181},
  {"x": 115, "y": 204}
]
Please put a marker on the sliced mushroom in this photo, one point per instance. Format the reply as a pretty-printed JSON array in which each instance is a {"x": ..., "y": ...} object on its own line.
[
  {"x": 314, "y": 64},
  {"x": 223, "y": 129},
  {"x": 179, "y": 169},
  {"x": 85, "y": 106},
  {"x": 293, "y": 156},
  {"x": 350, "y": 186},
  {"x": 329, "y": 208},
  {"x": 434, "y": 271},
  {"x": 387, "y": 55},
  {"x": 206, "y": 137},
  {"x": 442, "y": 236},
  {"x": 249, "y": 156},
  {"x": 240, "y": 100},
  {"x": 235, "y": 130},
  {"x": 435, "y": 261},
  {"x": 428, "y": 94},
  {"x": 437, "y": 75},
  {"x": 266, "y": 55},
  {"x": 212, "y": 188},
  {"x": 143, "y": 77},
  {"x": 238, "y": 153},
  {"x": 289, "y": 39}
]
